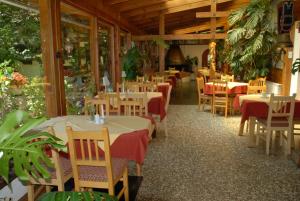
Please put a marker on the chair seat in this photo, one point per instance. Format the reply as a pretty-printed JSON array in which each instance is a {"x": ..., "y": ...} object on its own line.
[
  {"x": 278, "y": 122},
  {"x": 99, "y": 174},
  {"x": 66, "y": 167}
]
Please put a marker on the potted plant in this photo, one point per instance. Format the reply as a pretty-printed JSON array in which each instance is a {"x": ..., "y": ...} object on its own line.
[
  {"x": 26, "y": 154},
  {"x": 296, "y": 66},
  {"x": 250, "y": 40}
]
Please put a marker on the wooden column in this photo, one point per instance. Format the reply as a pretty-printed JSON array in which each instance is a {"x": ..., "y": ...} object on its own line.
[
  {"x": 52, "y": 57},
  {"x": 213, "y": 20},
  {"x": 94, "y": 52},
  {"x": 286, "y": 72},
  {"x": 117, "y": 54},
  {"x": 161, "y": 49}
]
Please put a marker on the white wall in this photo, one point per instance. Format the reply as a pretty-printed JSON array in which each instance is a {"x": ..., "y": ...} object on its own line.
[{"x": 194, "y": 51}]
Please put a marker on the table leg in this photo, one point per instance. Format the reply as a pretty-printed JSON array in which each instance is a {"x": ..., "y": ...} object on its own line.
[
  {"x": 251, "y": 132},
  {"x": 241, "y": 131},
  {"x": 138, "y": 169}
]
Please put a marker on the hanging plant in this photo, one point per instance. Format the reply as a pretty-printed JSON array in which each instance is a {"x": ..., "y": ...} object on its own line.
[{"x": 296, "y": 66}]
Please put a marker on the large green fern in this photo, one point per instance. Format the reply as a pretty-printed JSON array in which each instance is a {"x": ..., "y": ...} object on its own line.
[
  {"x": 20, "y": 146},
  {"x": 250, "y": 39}
]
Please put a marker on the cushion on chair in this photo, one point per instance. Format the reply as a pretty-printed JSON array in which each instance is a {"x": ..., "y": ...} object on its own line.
[
  {"x": 66, "y": 167},
  {"x": 94, "y": 173},
  {"x": 276, "y": 122}
]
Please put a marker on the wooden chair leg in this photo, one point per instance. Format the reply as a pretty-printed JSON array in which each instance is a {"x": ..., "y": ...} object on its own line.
[
  {"x": 138, "y": 169},
  {"x": 48, "y": 189},
  {"x": 165, "y": 126},
  {"x": 30, "y": 192},
  {"x": 289, "y": 141},
  {"x": 61, "y": 187},
  {"x": 268, "y": 141},
  {"x": 125, "y": 184}
]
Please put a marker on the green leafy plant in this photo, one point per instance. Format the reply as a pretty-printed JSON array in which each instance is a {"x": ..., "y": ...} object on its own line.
[
  {"x": 250, "y": 39},
  {"x": 131, "y": 62},
  {"x": 22, "y": 148},
  {"x": 296, "y": 66},
  {"x": 76, "y": 196}
]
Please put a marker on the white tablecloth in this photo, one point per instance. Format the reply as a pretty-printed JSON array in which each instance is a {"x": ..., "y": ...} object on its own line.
[
  {"x": 231, "y": 85},
  {"x": 117, "y": 125},
  {"x": 254, "y": 97}
]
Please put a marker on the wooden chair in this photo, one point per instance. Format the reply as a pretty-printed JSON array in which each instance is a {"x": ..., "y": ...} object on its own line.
[
  {"x": 60, "y": 174},
  {"x": 280, "y": 118},
  {"x": 92, "y": 170},
  {"x": 132, "y": 86},
  {"x": 257, "y": 86},
  {"x": 99, "y": 105},
  {"x": 227, "y": 78},
  {"x": 203, "y": 98},
  {"x": 158, "y": 79},
  {"x": 133, "y": 104},
  {"x": 220, "y": 96},
  {"x": 140, "y": 78},
  {"x": 148, "y": 87}
]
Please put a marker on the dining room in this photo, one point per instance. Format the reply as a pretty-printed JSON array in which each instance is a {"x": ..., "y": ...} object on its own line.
[{"x": 140, "y": 100}]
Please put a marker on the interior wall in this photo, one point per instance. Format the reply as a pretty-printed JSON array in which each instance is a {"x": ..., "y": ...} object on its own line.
[{"x": 194, "y": 51}]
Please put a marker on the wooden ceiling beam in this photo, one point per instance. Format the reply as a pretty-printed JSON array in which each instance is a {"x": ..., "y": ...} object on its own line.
[
  {"x": 179, "y": 37},
  {"x": 135, "y": 4},
  {"x": 211, "y": 14},
  {"x": 199, "y": 27},
  {"x": 113, "y": 2},
  {"x": 164, "y": 6}
]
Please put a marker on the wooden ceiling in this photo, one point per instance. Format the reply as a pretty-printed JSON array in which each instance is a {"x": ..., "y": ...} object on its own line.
[{"x": 180, "y": 15}]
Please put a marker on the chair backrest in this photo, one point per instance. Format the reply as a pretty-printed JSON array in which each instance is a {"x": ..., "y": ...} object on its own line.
[
  {"x": 147, "y": 87},
  {"x": 133, "y": 104},
  {"x": 140, "y": 78},
  {"x": 281, "y": 107},
  {"x": 257, "y": 86},
  {"x": 220, "y": 88},
  {"x": 84, "y": 151},
  {"x": 158, "y": 79},
  {"x": 132, "y": 86},
  {"x": 99, "y": 105},
  {"x": 200, "y": 85},
  {"x": 227, "y": 78}
]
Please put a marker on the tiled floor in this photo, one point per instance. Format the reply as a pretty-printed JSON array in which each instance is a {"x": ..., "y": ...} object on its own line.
[{"x": 204, "y": 159}]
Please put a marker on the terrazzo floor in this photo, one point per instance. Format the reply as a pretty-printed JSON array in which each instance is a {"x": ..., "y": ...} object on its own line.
[{"x": 204, "y": 159}]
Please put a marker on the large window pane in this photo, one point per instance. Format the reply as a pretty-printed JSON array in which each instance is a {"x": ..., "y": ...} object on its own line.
[
  {"x": 76, "y": 57},
  {"x": 21, "y": 69},
  {"x": 105, "y": 53}
]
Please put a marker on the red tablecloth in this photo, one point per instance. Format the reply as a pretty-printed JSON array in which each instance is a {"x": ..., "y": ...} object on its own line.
[
  {"x": 172, "y": 81},
  {"x": 157, "y": 106},
  {"x": 164, "y": 89},
  {"x": 132, "y": 146},
  {"x": 260, "y": 110},
  {"x": 208, "y": 89}
]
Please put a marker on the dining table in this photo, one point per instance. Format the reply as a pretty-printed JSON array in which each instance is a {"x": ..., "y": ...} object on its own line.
[
  {"x": 233, "y": 88},
  {"x": 156, "y": 102},
  {"x": 255, "y": 106},
  {"x": 129, "y": 135}
]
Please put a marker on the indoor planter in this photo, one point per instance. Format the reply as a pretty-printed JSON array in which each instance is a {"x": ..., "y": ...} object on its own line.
[{"x": 132, "y": 60}]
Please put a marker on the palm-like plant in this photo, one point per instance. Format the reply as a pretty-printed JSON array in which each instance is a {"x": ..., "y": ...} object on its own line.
[
  {"x": 250, "y": 39},
  {"x": 26, "y": 153},
  {"x": 296, "y": 66}
]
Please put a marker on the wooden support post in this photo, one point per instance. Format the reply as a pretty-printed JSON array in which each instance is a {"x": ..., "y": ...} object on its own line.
[
  {"x": 51, "y": 43},
  {"x": 117, "y": 66},
  {"x": 94, "y": 52},
  {"x": 213, "y": 20},
  {"x": 161, "y": 49}
]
